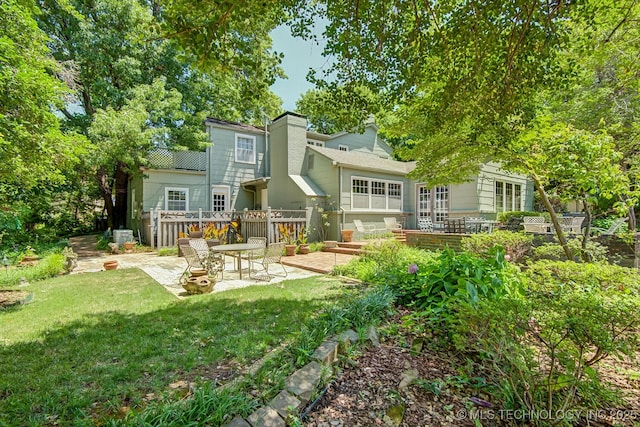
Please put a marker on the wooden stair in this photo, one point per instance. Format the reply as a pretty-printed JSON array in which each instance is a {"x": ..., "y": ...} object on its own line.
[{"x": 350, "y": 248}]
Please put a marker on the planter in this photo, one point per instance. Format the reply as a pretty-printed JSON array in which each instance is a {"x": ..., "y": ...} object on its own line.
[
  {"x": 198, "y": 273},
  {"x": 328, "y": 244},
  {"x": 303, "y": 249},
  {"x": 128, "y": 246},
  {"x": 110, "y": 265},
  {"x": 290, "y": 250},
  {"x": 198, "y": 285},
  {"x": 196, "y": 234},
  {"x": 347, "y": 235}
]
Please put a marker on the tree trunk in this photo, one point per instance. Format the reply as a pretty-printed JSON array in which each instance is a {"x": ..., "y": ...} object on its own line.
[
  {"x": 105, "y": 192},
  {"x": 120, "y": 208},
  {"x": 554, "y": 217},
  {"x": 587, "y": 230}
]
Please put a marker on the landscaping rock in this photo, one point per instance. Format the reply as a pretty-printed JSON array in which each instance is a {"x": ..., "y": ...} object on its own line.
[
  {"x": 327, "y": 353},
  {"x": 266, "y": 417},
  {"x": 347, "y": 338},
  {"x": 372, "y": 335},
  {"x": 238, "y": 421},
  {"x": 302, "y": 382},
  {"x": 285, "y": 403}
]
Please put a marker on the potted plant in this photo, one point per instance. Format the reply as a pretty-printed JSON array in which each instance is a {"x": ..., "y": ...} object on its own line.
[
  {"x": 303, "y": 237},
  {"x": 195, "y": 232},
  {"x": 287, "y": 235},
  {"x": 111, "y": 264},
  {"x": 128, "y": 246},
  {"x": 347, "y": 235}
]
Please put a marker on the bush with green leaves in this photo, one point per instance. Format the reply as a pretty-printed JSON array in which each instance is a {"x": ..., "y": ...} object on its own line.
[
  {"x": 49, "y": 266},
  {"x": 543, "y": 350},
  {"x": 516, "y": 245},
  {"x": 453, "y": 277},
  {"x": 504, "y": 216},
  {"x": 553, "y": 251}
]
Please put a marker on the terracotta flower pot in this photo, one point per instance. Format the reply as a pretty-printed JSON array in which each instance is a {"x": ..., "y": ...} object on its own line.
[
  {"x": 290, "y": 250},
  {"x": 110, "y": 265},
  {"x": 128, "y": 246},
  {"x": 303, "y": 249},
  {"x": 198, "y": 273},
  {"x": 347, "y": 235},
  {"x": 196, "y": 234}
]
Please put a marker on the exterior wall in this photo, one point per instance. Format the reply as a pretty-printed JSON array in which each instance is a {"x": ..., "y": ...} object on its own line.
[
  {"x": 134, "y": 203},
  {"x": 463, "y": 199},
  {"x": 157, "y": 180},
  {"x": 288, "y": 142},
  {"x": 224, "y": 170},
  {"x": 489, "y": 174},
  {"x": 367, "y": 142}
]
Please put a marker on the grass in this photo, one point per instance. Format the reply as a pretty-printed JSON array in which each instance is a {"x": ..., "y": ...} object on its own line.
[{"x": 92, "y": 344}]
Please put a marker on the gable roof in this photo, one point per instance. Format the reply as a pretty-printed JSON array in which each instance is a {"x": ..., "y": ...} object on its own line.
[
  {"x": 364, "y": 161},
  {"x": 232, "y": 125}
]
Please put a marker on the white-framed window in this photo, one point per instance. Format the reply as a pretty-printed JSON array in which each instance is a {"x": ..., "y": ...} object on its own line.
[
  {"x": 376, "y": 194},
  {"x": 176, "y": 199},
  {"x": 245, "y": 148},
  {"x": 343, "y": 147},
  {"x": 433, "y": 203},
  {"x": 315, "y": 142},
  {"x": 220, "y": 196},
  {"x": 507, "y": 196}
]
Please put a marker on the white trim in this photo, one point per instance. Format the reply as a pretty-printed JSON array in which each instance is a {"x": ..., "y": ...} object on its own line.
[
  {"x": 369, "y": 187},
  {"x": 235, "y": 148},
  {"x": 224, "y": 190},
  {"x": 432, "y": 201},
  {"x": 504, "y": 195},
  {"x": 166, "y": 197}
]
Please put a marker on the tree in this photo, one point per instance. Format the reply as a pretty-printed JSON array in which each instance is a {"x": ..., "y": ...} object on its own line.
[
  {"x": 117, "y": 55},
  {"x": 338, "y": 109},
  {"x": 33, "y": 148}
]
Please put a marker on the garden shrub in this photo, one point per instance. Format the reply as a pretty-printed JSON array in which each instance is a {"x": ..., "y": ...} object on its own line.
[
  {"x": 544, "y": 349},
  {"x": 451, "y": 278},
  {"x": 504, "y": 216},
  {"x": 553, "y": 251},
  {"x": 516, "y": 245},
  {"x": 49, "y": 266}
]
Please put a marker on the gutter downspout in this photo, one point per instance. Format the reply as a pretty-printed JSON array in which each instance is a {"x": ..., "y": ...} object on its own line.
[
  {"x": 267, "y": 154},
  {"x": 340, "y": 203}
]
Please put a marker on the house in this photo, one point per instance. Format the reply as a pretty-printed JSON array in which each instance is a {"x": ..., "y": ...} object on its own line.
[{"x": 283, "y": 165}]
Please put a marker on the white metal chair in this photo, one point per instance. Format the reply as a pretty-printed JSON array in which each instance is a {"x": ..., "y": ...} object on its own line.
[
  {"x": 392, "y": 224},
  {"x": 367, "y": 230},
  {"x": 193, "y": 261},
  {"x": 209, "y": 260},
  {"x": 272, "y": 254},
  {"x": 535, "y": 224},
  {"x": 425, "y": 225}
]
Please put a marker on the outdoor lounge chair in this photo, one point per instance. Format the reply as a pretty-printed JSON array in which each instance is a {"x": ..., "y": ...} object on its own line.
[
  {"x": 270, "y": 255},
  {"x": 425, "y": 224},
  {"x": 611, "y": 230},
  {"x": 367, "y": 230},
  {"x": 392, "y": 224}
]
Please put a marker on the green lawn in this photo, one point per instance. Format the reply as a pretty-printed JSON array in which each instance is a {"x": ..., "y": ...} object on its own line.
[{"x": 91, "y": 344}]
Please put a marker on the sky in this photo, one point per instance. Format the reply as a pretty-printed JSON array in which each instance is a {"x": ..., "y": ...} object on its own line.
[{"x": 299, "y": 56}]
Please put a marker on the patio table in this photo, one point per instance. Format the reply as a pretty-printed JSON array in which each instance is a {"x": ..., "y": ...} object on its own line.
[
  {"x": 477, "y": 225},
  {"x": 236, "y": 250}
]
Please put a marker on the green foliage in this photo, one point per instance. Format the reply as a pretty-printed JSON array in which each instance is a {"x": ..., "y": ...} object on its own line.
[
  {"x": 455, "y": 278},
  {"x": 553, "y": 251},
  {"x": 544, "y": 350},
  {"x": 516, "y": 245},
  {"x": 504, "y": 216},
  {"x": 47, "y": 267}
]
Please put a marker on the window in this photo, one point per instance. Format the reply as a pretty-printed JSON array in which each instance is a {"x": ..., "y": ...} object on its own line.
[
  {"x": 343, "y": 148},
  {"x": 376, "y": 194},
  {"x": 219, "y": 198},
  {"x": 508, "y": 196},
  {"x": 316, "y": 143},
  {"x": 176, "y": 199},
  {"x": 433, "y": 203},
  {"x": 245, "y": 149}
]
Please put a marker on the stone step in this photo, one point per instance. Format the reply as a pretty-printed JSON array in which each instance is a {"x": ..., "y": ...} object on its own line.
[{"x": 341, "y": 250}]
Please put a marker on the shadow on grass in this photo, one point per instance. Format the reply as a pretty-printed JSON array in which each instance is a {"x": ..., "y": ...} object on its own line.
[{"x": 93, "y": 367}]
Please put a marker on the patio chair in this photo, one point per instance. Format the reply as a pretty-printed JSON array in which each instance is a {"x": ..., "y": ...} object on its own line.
[
  {"x": 512, "y": 224},
  {"x": 270, "y": 255},
  {"x": 392, "y": 224},
  {"x": 571, "y": 224},
  {"x": 535, "y": 224},
  {"x": 262, "y": 241},
  {"x": 210, "y": 261},
  {"x": 611, "y": 230},
  {"x": 455, "y": 226},
  {"x": 193, "y": 261},
  {"x": 367, "y": 230},
  {"x": 425, "y": 225}
]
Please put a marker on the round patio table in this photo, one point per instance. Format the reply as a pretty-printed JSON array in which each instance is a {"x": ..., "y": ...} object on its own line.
[{"x": 236, "y": 250}]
